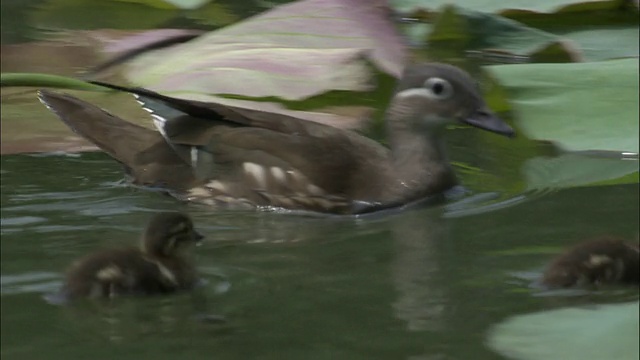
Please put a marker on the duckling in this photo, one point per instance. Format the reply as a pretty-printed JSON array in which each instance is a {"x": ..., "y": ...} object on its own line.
[
  {"x": 222, "y": 155},
  {"x": 156, "y": 267},
  {"x": 602, "y": 261}
]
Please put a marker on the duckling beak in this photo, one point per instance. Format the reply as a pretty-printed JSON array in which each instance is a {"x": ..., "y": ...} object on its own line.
[
  {"x": 197, "y": 237},
  {"x": 487, "y": 120}
]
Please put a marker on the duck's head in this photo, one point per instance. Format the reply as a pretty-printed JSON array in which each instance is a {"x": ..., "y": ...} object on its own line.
[
  {"x": 432, "y": 95},
  {"x": 168, "y": 233}
]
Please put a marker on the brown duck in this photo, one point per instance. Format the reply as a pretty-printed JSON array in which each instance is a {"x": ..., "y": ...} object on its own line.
[
  {"x": 216, "y": 154},
  {"x": 156, "y": 267},
  {"x": 602, "y": 261}
]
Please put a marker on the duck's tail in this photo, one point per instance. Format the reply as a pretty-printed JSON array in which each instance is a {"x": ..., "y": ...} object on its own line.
[{"x": 146, "y": 156}]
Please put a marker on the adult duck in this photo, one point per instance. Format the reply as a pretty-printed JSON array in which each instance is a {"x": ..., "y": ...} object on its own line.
[{"x": 221, "y": 155}]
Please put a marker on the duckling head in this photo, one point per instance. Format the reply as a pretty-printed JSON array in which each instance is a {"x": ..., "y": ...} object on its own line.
[
  {"x": 168, "y": 233},
  {"x": 432, "y": 95}
]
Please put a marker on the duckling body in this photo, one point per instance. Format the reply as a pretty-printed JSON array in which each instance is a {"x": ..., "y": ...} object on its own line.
[
  {"x": 216, "y": 154},
  {"x": 603, "y": 261},
  {"x": 157, "y": 266}
]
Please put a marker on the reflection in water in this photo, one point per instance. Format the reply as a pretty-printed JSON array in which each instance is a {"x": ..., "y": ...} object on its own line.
[
  {"x": 131, "y": 319},
  {"x": 482, "y": 203},
  {"x": 417, "y": 270}
]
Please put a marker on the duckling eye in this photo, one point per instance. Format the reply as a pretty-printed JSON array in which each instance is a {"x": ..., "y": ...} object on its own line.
[
  {"x": 181, "y": 230},
  {"x": 438, "y": 88},
  {"x": 181, "y": 227}
]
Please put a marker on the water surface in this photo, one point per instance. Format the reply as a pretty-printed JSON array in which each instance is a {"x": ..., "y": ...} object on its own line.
[{"x": 423, "y": 284}]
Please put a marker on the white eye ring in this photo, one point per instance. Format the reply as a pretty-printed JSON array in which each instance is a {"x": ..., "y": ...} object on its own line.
[{"x": 438, "y": 88}]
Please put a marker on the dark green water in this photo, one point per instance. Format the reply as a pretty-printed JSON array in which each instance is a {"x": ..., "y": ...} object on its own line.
[{"x": 427, "y": 282}]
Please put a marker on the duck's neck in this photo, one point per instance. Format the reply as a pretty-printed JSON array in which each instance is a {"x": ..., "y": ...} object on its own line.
[{"x": 420, "y": 160}]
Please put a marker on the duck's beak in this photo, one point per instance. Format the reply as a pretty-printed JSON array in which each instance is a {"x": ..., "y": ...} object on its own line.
[{"x": 487, "y": 120}]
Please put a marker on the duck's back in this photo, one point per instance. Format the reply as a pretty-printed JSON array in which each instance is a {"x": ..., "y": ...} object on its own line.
[{"x": 308, "y": 173}]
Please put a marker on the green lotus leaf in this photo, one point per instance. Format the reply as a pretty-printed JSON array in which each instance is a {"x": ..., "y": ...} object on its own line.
[
  {"x": 493, "y": 6},
  {"x": 579, "y": 106},
  {"x": 594, "y": 332},
  {"x": 603, "y": 43},
  {"x": 457, "y": 30},
  {"x": 80, "y": 14},
  {"x": 574, "y": 169}
]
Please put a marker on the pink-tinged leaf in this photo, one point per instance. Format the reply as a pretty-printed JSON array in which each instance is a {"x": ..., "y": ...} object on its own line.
[
  {"x": 292, "y": 52},
  {"x": 141, "y": 40},
  {"x": 325, "y": 24},
  {"x": 264, "y": 73},
  {"x": 354, "y": 117}
]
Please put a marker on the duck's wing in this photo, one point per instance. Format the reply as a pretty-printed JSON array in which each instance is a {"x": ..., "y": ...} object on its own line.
[
  {"x": 213, "y": 153},
  {"x": 143, "y": 152},
  {"x": 269, "y": 159},
  {"x": 170, "y": 107}
]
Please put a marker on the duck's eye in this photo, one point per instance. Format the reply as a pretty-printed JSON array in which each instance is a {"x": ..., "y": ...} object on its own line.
[{"x": 438, "y": 88}]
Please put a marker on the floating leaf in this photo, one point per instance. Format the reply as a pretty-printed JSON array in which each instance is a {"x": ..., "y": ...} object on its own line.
[
  {"x": 598, "y": 44},
  {"x": 514, "y": 7},
  {"x": 571, "y": 170},
  {"x": 459, "y": 30},
  {"x": 585, "y": 106},
  {"x": 551, "y": 15},
  {"x": 590, "y": 333}
]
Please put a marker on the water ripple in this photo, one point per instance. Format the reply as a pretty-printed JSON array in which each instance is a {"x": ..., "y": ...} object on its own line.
[
  {"x": 31, "y": 282},
  {"x": 479, "y": 204},
  {"x": 21, "y": 220}
]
